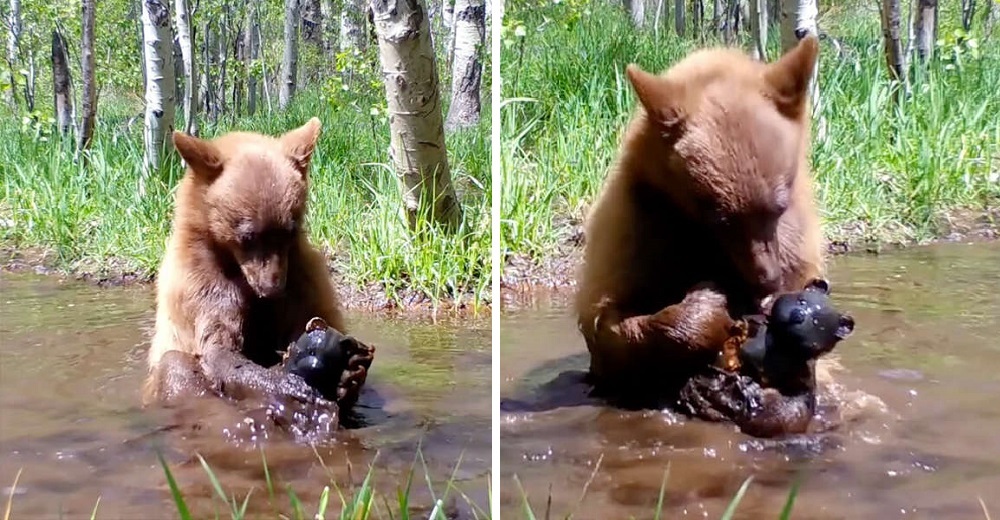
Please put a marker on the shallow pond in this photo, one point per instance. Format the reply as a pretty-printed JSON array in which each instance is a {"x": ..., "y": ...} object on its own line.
[
  {"x": 927, "y": 345},
  {"x": 72, "y": 360}
]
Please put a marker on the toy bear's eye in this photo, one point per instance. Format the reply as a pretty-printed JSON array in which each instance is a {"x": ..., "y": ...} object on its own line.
[{"x": 797, "y": 316}]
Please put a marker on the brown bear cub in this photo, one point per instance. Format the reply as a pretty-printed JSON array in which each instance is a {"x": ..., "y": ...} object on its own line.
[
  {"x": 240, "y": 281},
  {"x": 707, "y": 214}
]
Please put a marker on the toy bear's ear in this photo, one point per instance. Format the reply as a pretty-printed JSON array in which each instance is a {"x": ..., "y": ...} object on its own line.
[{"x": 820, "y": 284}]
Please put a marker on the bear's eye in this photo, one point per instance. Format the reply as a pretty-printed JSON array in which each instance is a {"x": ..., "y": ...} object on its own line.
[
  {"x": 797, "y": 316},
  {"x": 245, "y": 232}
]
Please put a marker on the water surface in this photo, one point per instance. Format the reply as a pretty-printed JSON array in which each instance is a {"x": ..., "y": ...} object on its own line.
[
  {"x": 927, "y": 345},
  {"x": 72, "y": 359}
]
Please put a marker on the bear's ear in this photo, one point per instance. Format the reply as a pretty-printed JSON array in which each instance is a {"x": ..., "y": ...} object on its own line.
[
  {"x": 300, "y": 143},
  {"x": 789, "y": 76},
  {"x": 819, "y": 284},
  {"x": 200, "y": 155},
  {"x": 659, "y": 96}
]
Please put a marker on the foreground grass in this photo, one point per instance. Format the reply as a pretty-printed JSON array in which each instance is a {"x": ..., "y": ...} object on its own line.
[
  {"x": 883, "y": 174},
  {"x": 356, "y": 503},
  {"x": 95, "y": 218}
]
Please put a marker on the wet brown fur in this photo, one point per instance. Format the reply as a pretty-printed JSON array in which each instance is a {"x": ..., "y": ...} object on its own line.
[
  {"x": 223, "y": 313},
  {"x": 708, "y": 210}
]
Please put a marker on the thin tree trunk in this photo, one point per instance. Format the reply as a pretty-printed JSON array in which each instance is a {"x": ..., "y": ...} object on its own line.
[
  {"x": 222, "y": 57},
  {"x": 467, "y": 73},
  {"x": 758, "y": 28},
  {"x": 61, "y": 82},
  {"x": 417, "y": 145},
  {"x": 182, "y": 20},
  {"x": 925, "y": 29},
  {"x": 290, "y": 59},
  {"x": 160, "y": 95},
  {"x": 89, "y": 97},
  {"x": 13, "y": 44},
  {"x": 968, "y": 13},
  {"x": 698, "y": 18},
  {"x": 798, "y": 20},
  {"x": 679, "y": 13},
  {"x": 205, "y": 78},
  {"x": 311, "y": 22},
  {"x": 330, "y": 29},
  {"x": 263, "y": 69},
  {"x": 637, "y": 11},
  {"x": 893, "y": 46},
  {"x": 352, "y": 26},
  {"x": 717, "y": 16},
  {"x": 250, "y": 36}
]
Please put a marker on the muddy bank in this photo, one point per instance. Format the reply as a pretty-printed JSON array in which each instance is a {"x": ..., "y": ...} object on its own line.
[
  {"x": 370, "y": 298},
  {"x": 527, "y": 282}
]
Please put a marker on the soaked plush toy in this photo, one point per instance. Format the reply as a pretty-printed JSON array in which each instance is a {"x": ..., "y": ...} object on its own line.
[
  {"x": 322, "y": 356},
  {"x": 765, "y": 379}
]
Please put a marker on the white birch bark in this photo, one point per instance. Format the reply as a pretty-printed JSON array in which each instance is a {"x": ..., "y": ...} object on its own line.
[
  {"x": 290, "y": 58},
  {"x": 88, "y": 99},
  {"x": 798, "y": 20},
  {"x": 182, "y": 14},
  {"x": 160, "y": 83},
  {"x": 250, "y": 37},
  {"x": 467, "y": 72},
  {"x": 417, "y": 146},
  {"x": 331, "y": 29},
  {"x": 13, "y": 43},
  {"x": 680, "y": 11},
  {"x": 925, "y": 29},
  {"x": 636, "y": 10},
  {"x": 758, "y": 28},
  {"x": 352, "y": 25},
  {"x": 61, "y": 82}
]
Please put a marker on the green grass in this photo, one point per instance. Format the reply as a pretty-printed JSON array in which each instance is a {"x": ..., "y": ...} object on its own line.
[
  {"x": 883, "y": 174},
  {"x": 362, "y": 502},
  {"x": 94, "y": 218}
]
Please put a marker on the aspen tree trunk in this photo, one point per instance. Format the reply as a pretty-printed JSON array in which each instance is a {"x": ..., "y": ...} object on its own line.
[
  {"x": 160, "y": 84},
  {"x": 893, "y": 47},
  {"x": 330, "y": 29},
  {"x": 206, "y": 90},
  {"x": 467, "y": 72},
  {"x": 798, "y": 20},
  {"x": 352, "y": 25},
  {"x": 250, "y": 36},
  {"x": 222, "y": 58},
  {"x": 925, "y": 29},
  {"x": 182, "y": 19},
  {"x": 968, "y": 13},
  {"x": 61, "y": 82},
  {"x": 758, "y": 28},
  {"x": 679, "y": 13},
  {"x": 417, "y": 145},
  {"x": 311, "y": 21},
  {"x": 13, "y": 43},
  {"x": 717, "y": 16},
  {"x": 637, "y": 11},
  {"x": 89, "y": 97},
  {"x": 290, "y": 59},
  {"x": 698, "y": 18}
]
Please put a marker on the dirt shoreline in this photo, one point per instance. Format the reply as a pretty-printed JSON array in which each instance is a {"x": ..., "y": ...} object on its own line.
[
  {"x": 526, "y": 283},
  {"x": 370, "y": 299}
]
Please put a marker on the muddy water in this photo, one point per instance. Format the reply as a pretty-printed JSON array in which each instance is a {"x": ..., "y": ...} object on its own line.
[
  {"x": 71, "y": 364},
  {"x": 927, "y": 345}
]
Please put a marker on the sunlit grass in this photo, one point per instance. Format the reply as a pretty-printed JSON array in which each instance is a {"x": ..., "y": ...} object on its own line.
[
  {"x": 95, "y": 218},
  {"x": 883, "y": 173}
]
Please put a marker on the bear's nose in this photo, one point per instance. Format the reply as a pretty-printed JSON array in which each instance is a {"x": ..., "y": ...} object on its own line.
[{"x": 845, "y": 326}]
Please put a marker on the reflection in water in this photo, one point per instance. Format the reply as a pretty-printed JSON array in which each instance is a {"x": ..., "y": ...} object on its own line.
[
  {"x": 72, "y": 359},
  {"x": 925, "y": 345}
]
